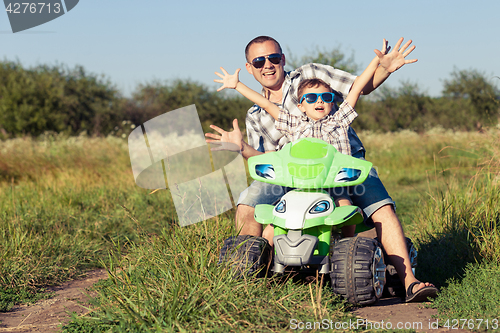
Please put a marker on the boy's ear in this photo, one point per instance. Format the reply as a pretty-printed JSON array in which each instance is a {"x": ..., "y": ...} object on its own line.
[{"x": 301, "y": 107}]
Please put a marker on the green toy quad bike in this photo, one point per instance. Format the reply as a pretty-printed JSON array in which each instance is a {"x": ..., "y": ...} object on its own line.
[{"x": 306, "y": 220}]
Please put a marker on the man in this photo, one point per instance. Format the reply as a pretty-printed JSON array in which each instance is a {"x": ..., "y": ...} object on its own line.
[{"x": 266, "y": 61}]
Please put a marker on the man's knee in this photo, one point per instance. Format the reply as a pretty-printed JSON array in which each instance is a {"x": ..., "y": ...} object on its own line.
[
  {"x": 244, "y": 210},
  {"x": 384, "y": 214}
]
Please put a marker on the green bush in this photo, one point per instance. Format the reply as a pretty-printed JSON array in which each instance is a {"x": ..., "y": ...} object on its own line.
[
  {"x": 476, "y": 296},
  {"x": 55, "y": 98},
  {"x": 155, "y": 98}
]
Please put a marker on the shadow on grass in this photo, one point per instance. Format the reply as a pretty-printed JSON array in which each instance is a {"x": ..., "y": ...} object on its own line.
[{"x": 444, "y": 256}]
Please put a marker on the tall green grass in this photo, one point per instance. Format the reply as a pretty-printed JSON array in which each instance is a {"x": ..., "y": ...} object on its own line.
[
  {"x": 70, "y": 204},
  {"x": 173, "y": 283},
  {"x": 459, "y": 240},
  {"x": 63, "y": 202},
  {"x": 412, "y": 165}
]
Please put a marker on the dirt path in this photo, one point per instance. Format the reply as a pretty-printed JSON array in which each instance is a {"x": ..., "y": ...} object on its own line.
[
  {"x": 46, "y": 315},
  {"x": 394, "y": 312}
]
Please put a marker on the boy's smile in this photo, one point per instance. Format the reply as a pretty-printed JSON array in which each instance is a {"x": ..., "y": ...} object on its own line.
[{"x": 316, "y": 110}]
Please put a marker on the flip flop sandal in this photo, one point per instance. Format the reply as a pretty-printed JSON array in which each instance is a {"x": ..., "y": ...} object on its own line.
[{"x": 420, "y": 295}]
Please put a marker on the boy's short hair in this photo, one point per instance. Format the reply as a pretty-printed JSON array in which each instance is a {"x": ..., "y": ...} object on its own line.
[
  {"x": 261, "y": 39},
  {"x": 311, "y": 83}
]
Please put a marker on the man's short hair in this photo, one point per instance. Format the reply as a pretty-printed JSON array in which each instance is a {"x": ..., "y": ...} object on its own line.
[
  {"x": 261, "y": 39},
  {"x": 311, "y": 83}
]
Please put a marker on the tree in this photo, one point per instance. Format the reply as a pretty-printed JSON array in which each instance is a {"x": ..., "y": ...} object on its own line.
[
  {"x": 478, "y": 96},
  {"x": 54, "y": 98},
  {"x": 155, "y": 98},
  {"x": 396, "y": 109}
]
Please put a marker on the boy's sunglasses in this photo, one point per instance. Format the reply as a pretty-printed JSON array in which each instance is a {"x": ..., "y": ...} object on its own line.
[
  {"x": 259, "y": 62},
  {"x": 310, "y": 98}
]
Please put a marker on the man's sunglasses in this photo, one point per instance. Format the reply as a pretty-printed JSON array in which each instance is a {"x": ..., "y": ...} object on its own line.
[
  {"x": 259, "y": 62},
  {"x": 310, "y": 98}
]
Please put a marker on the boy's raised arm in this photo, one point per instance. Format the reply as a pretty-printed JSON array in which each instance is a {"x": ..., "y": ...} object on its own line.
[
  {"x": 361, "y": 82},
  {"x": 232, "y": 82},
  {"x": 365, "y": 77}
]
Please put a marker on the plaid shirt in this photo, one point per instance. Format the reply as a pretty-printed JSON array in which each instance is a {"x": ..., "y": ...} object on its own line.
[
  {"x": 332, "y": 128},
  {"x": 261, "y": 132}
]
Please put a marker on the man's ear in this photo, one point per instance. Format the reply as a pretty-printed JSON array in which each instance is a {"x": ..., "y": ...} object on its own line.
[
  {"x": 249, "y": 68},
  {"x": 283, "y": 59}
]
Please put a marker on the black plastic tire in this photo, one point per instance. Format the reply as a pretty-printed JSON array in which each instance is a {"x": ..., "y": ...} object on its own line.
[
  {"x": 358, "y": 270},
  {"x": 246, "y": 254}
]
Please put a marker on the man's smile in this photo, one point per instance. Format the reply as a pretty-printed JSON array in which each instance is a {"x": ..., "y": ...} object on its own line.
[{"x": 269, "y": 73}]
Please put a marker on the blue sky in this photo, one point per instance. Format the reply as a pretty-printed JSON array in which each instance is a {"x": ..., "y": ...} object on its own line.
[{"x": 133, "y": 42}]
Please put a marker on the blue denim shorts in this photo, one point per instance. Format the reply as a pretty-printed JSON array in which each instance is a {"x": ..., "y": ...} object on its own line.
[{"x": 369, "y": 196}]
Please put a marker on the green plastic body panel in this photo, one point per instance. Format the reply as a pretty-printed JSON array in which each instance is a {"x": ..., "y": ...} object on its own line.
[
  {"x": 279, "y": 231},
  {"x": 323, "y": 233},
  {"x": 264, "y": 214},
  {"x": 344, "y": 215},
  {"x": 308, "y": 163}
]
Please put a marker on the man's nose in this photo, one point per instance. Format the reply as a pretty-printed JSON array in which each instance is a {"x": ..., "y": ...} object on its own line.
[{"x": 268, "y": 63}]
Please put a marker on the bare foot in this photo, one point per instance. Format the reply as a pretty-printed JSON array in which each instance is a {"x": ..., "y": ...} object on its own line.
[{"x": 421, "y": 285}]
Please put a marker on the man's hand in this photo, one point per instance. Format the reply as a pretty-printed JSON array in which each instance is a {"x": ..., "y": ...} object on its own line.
[
  {"x": 226, "y": 140},
  {"x": 394, "y": 60},
  {"x": 228, "y": 81}
]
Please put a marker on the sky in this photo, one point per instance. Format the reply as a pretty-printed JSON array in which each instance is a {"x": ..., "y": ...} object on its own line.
[{"x": 133, "y": 42}]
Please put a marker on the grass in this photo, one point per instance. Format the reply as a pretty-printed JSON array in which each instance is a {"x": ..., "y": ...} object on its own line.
[
  {"x": 70, "y": 204},
  {"x": 58, "y": 218},
  {"x": 459, "y": 240},
  {"x": 475, "y": 296},
  {"x": 460, "y": 226},
  {"x": 412, "y": 166},
  {"x": 174, "y": 284}
]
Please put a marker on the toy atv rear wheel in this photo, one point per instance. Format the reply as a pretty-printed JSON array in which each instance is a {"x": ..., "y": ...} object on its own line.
[{"x": 358, "y": 270}]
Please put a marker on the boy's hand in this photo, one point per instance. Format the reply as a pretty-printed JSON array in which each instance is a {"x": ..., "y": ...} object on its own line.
[
  {"x": 228, "y": 80},
  {"x": 394, "y": 60},
  {"x": 226, "y": 140},
  {"x": 385, "y": 49}
]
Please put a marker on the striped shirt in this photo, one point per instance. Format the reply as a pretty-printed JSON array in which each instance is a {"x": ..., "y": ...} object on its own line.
[{"x": 261, "y": 131}]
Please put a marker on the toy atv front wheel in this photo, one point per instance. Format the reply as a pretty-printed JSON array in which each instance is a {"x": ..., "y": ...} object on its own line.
[
  {"x": 248, "y": 255},
  {"x": 358, "y": 270}
]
